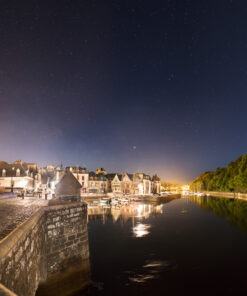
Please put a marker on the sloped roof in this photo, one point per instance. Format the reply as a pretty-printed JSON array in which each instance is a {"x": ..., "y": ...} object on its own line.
[
  {"x": 11, "y": 169},
  {"x": 97, "y": 177},
  {"x": 32, "y": 167},
  {"x": 145, "y": 176},
  {"x": 156, "y": 178},
  {"x": 110, "y": 177},
  {"x": 118, "y": 175},
  {"x": 68, "y": 185},
  {"x": 130, "y": 176}
]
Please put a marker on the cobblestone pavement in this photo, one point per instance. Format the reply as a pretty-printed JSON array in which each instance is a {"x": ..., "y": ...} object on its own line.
[{"x": 14, "y": 211}]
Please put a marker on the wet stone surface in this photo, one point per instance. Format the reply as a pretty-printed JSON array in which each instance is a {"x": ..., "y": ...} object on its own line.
[{"x": 14, "y": 211}]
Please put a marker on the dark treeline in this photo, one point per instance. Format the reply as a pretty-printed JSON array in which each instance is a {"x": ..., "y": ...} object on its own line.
[{"x": 232, "y": 178}]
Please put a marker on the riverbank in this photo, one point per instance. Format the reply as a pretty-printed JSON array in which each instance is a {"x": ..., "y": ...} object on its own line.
[{"x": 236, "y": 195}]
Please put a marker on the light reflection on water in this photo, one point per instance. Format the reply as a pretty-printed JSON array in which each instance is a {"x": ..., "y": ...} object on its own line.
[
  {"x": 149, "y": 271},
  {"x": 124, "y": 212},
  {"x": 141, "y": 229},
  {"x": 136, "y": 212}
]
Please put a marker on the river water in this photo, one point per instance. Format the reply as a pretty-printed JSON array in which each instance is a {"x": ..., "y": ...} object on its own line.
[{"x": 193, "y": 245}]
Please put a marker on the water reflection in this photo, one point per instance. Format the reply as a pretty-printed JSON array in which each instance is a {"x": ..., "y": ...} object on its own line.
[
  {"x": 233, "y": 210},
  {"x": 176, "y": 248},
  {"x": 123, "y": 213},
  {"x": 150, "y": 270},
  {"x": 134, "y": 212},
  {"x": 140, "y": 278},
  {"x": 141, "y": 230}
]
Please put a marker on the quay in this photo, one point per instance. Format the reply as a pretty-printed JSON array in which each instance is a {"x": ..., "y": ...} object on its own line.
[
  {"x": 236, "y": 195},
  {"x": 44, "y": 244}
]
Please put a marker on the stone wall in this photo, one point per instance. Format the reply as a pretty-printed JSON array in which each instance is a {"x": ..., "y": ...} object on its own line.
[
  {"x": 51, "y": 245},
  {"x": 22, "y": 256},
  {"x": 67, "y": 250}
]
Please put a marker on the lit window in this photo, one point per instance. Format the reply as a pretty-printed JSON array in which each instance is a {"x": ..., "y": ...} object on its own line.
[
  {"x": 4, "y": 173},
  {"x": 18, "y": 172}
]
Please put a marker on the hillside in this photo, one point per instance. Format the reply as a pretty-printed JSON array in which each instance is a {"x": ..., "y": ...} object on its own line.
[{"x": 229, "y": 179}]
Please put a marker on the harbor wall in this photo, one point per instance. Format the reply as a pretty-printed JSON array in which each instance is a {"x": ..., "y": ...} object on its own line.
[
  {"x": 22, "y": 256},
  {"x": 44, "y": 248}
]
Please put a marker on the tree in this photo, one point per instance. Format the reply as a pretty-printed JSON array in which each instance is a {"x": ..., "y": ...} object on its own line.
[{"x": 231, "y": 178}]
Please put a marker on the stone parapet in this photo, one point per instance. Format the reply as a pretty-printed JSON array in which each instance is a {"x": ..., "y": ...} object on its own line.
[
  {"x": 66, "y": 235},
  {"x": 22, "y": 256},
  {"x": 52, "y": 240}
]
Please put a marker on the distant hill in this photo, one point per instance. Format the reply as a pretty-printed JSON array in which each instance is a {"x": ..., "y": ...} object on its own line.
[{"x": 229, "y": 179}]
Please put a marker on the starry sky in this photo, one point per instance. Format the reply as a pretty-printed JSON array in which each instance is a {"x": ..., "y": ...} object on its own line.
[{"x": 133, "y": 85}]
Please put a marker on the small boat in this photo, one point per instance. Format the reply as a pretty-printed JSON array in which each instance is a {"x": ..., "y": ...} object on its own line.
[
  {"x": 124, "y": 201},
  {"x": 134, "y": 199},
  {"x": 115, "y": 200},
  {"x": 201, "y": 194},
  {"x": 104, "y": 201}
]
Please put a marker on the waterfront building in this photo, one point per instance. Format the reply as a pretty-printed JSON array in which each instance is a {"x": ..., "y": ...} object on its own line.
[
  {"x": 32, "y": 167},
  {"x": 81, "y": 175},
  {"x": 156, "y": 185},
  {"x": 47, "y": 178},
  {"x": 136, "y": 184},
  {"x": 16, "y": 176},
  {"x": 115, "y": 183},
  {"x": 20, "y": 175},
  {"x": 127, "y": 184},
  {"x": 97, "y": 183},
  {"x": 142, "y": 184}
]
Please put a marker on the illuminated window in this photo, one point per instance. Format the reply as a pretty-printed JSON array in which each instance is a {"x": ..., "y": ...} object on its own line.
[
  {"x": 4, "y": 173},
  {"x": 18, "y": 172}
]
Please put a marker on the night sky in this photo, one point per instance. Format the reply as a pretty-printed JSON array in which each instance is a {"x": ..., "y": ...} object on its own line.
[{"x": 153, "y": 86}]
